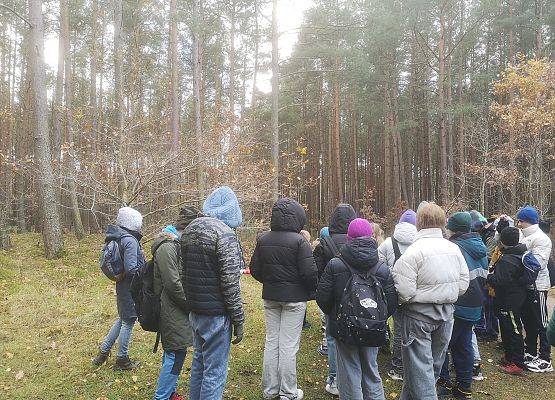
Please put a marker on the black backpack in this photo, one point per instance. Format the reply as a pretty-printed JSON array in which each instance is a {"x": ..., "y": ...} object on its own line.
[
  {"x": 396, "y": 249},
  {"x": 147, "y": 303},
  {"x": 362, "y": 311}
]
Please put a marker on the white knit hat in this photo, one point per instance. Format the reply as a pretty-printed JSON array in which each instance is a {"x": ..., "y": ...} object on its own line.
[{"x": 129, "y": 218}]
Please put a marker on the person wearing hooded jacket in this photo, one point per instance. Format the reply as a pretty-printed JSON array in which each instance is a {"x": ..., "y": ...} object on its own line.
[
  {"x": 175, "y": 329},
  {"x": 506, "y": 278},
  {"x": 429, "y": 278},
  {"x": 468, "y": 307},
  {"x": 535, "y": 315},
  {"x": 403, "y": 237},
  {"x": 127, "y": 232},
  {"x": 212, "y": 259},
  {"x": 327, "y": 249},
  {"x": 357, "y": 368},
  {"x": 282, "y": 261}
]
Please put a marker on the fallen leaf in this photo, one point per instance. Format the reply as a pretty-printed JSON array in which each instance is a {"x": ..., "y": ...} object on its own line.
[
  {"x": 134, "y": 378},
  {"x": 19, "y": 376}
]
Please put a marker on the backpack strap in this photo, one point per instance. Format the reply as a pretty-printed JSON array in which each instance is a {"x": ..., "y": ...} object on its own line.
[
  {"x": 333, "y": 247},
  {"x": 396, "y": 249},
  {"x": 157, "y": 343}
]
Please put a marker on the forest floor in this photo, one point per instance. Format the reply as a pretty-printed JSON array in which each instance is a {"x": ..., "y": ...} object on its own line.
[{"x": 53, "y": 314}]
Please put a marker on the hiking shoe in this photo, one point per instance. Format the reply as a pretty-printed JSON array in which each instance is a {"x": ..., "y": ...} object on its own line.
[
  {"x": 395, "y": 375},
  {"x": 444, "y": 388},
  {"x": 529, "y": 358},
  {"x": 512, "y": 369},
  {"x": 477, "y": 372},
  {"x": 176, "y": 396},
  {"x": 300, "y": 394},
  {"x": 323, "y": 351},
  {"x": 125, "y": 364},
  {"x": 331, "y": 387},
  {"x": 307, "y": 325},
  {"x": 100, "y": 358},
  {"x": 504, "y": 361},
  {"x": 539, "y": 366},
  {"x": 459, "y": 393}
]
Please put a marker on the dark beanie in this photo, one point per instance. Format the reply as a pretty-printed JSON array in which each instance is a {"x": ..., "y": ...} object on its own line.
[
  {"x": 460, "y": 222},
  {"x": 545, "y": 226},
  {"x": 187, "y": 215},
  {"x": 510, "y": 236}
]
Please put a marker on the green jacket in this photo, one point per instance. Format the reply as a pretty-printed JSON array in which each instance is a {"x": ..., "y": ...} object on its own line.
[
  {"x": 551, "y": 330},
  {"x": 175, "y": 328}
]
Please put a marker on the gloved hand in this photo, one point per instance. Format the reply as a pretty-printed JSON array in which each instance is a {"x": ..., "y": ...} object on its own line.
[{"x": 238, "y": 333}]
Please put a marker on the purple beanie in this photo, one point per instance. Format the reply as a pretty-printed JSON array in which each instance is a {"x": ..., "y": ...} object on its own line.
[
  {"x": 358, "y": 228},
  {"x": 408, "y": 216}
]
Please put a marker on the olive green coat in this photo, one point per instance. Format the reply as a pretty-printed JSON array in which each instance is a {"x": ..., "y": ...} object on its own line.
[{"x": 175, "y": 328}]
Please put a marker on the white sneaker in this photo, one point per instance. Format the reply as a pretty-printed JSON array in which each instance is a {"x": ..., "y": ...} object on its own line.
[
  {"x": 331, "y": 388},
  {"x": 529, "y": 358},
  {"x": 395, "y": 375},
  {"x": 300, "y": 394},
  {"x": 540, "y": 366}
]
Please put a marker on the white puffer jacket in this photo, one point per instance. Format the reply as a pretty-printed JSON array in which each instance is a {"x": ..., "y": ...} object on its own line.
[
  {"x": 431, "y": 271},
  {"x": 540, "y": 245},
  {"x": 404, "y": 234}
]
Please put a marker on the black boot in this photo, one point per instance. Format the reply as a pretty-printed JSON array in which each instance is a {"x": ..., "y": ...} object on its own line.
[
  {"x": 100, "y": 358},
  {"x": 125, "y": 364}
]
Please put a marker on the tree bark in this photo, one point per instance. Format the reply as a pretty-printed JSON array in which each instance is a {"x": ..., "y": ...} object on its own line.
[
  {"x": 52, "y": 231},
  {"x": 174, "y": 76},
  {"x": 93, "y": 103},
  {"x": 442, "y": 181},
  {"x": 71, "y": 156},
  {"x": 275, "y": 102},
  {"x": 197, "y": 78}
]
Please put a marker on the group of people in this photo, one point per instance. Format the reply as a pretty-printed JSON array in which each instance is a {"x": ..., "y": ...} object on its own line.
[{"x": 433, "y": 276}]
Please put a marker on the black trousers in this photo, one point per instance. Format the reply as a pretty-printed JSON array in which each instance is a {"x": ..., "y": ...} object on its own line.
[
  {"x": 511, "y": 335},
  {"x": 535, "y": 320}
]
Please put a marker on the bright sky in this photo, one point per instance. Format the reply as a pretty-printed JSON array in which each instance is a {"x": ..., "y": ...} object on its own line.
[{"x": 290, "y": 17}]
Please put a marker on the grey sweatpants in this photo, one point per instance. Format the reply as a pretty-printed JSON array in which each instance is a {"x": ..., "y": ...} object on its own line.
[
  {"x": 424, "y": 348},
  {"x": 358, "y": 377},
  {"x": 284, "y": 324}
]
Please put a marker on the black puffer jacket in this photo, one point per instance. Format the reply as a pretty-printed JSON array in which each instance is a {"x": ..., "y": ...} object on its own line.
[
  {"x": 212, "y": 260},
  {"x": 282, "y": 260},
  {"x": 510, "y": 292},
  {"x": 362, "y": 255},
  {"x": 339, "y": 223}
]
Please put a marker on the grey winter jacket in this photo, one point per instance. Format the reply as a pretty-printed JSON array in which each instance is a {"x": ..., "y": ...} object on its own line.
[
  {"x": 133, "y": 261},
  {"x": 175, "y": 328},
  {"x": 212, "y": 260}
]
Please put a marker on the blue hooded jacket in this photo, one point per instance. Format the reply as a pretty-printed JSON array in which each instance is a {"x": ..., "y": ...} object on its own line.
[
  {"x": 468, "y": 307},
  {"x": 222, "y": 204}
]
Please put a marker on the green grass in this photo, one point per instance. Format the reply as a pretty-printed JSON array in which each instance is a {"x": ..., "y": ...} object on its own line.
[{"x": 53, "y": 314}]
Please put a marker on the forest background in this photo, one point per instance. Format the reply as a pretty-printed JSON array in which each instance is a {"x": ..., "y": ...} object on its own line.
[{"x": 381, "y": 104}]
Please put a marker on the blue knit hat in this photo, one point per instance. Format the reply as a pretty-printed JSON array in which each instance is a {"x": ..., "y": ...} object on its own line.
[
  {"x": 324, "y": 232},
  {"x": 223, "y": 204},
  {"x": 528, "y": 214},
  {"x": 170, "y": 229}
]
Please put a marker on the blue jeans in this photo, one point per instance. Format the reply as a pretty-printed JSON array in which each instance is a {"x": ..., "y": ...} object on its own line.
[
  {"x": 476, "y": 349},
  {"x": 212, "y": 342},
  {"x": 462, "y": 354},
  {"x": 423, "y": 348},
  {"x": 358, "y": 377},
  {"x": 120, "y": 331},
  {"x": 172, "y": 364},
  {"x": 332, "y": 355}
]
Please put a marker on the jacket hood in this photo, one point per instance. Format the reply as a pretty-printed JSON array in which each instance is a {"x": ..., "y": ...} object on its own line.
[
  {"x": 341, "y": 218},
  {"x": 405, "y": 233},
  {"x": 223, "y": 204},
  {"x": 287, "y": 215},
  {"x": 130, "y": 219},
  {"x": 115, "y": 232},
  {"x": 518, "y": 249},
  {"x": 472, "y": 244},
  {"x": 361, "y": 253},
  {"x": 158, "y": 241}
]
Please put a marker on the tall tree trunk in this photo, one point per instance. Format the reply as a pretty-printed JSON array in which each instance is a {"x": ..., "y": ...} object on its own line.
[
  {"x": 275, "y": 102},
  {"x": 71, "y": 159},
  {"x": 174, "y": 74},
  {"x": 256, "y": 51},
  {"x": 197, "y": 81},
  {"x": 232, "y": 66},
  {"x": 118, "y": 103},
  {"x": 539, "y": 17},
  {"x": 93, "y": 103},
  {"x": 52, "y": 231},
  {"x": 339, "y": 196},
  {"x": 442, "y": 167}
]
